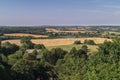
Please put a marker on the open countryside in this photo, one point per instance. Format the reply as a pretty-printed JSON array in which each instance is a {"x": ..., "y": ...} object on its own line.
[
  {"x": 37, "y": 52},
  {"x": 61, "y": 41}
]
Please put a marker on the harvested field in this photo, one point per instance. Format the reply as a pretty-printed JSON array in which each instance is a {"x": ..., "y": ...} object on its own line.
[
  {"x": 52, "y": 30},
  {"x": 23, "y": 34},
  {"x": 60, "y": 41},
  {"x": 69, "y": 30}
]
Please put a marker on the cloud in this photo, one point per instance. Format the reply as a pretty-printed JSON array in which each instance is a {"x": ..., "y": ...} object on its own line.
[
  {"x": 91, "y": 10},
  {"x": 113, "y": 9},
  {"x": 112, "y": 6},
  {"x": 117, "y": 13}
]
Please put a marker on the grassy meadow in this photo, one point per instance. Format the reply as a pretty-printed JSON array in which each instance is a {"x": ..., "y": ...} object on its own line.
[{"x": 91, "y": 48}]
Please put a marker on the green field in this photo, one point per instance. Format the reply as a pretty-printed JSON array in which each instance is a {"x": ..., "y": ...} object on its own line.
[{"x": 92, "y": 48}]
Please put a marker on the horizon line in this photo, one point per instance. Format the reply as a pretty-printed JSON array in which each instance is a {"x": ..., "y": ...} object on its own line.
[{"x": 60, "y": 25}]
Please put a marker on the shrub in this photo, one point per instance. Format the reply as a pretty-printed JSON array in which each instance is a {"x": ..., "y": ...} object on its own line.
[
  {"x": 84, "y": 48},
  {"x": 77, "y": 42},
  {"x": 90, "y": 42}
]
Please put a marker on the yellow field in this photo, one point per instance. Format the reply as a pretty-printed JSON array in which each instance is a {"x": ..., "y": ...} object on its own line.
[
  {"x": 70, "y": 30},
  {"x": 52, "y": 30},
  {"x": 60, "y": 41},
  {"x": 23, "y": 34}
]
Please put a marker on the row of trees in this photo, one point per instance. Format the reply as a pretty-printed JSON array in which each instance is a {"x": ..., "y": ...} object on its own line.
[
  {"x": 73, "y": 35},
  {"x": 31, "y": 30}
]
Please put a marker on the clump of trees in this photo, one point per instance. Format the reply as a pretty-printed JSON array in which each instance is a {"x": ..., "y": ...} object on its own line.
[
  {"x": 77, "y": 42},
  {"x": 8, "y": 48},
  {"x": 53, "y": 55},
  {"x": 89, "y": 42},
  {"x": 27, "y": 44},
  {"x": 39, "y": 46}
]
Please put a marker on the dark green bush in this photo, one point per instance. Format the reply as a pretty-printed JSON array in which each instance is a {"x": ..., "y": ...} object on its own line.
[
  {"x": 39, "y": 46},
  {"x": 77, "y": 42},
  {"x": 90, "y": 42}
]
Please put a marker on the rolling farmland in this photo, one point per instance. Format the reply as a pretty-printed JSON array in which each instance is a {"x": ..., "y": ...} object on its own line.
[{"x": 60, "y": 41}]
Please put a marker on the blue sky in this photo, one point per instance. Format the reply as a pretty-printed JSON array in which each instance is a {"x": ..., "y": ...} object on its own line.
[{"x": 59, "y": 12}]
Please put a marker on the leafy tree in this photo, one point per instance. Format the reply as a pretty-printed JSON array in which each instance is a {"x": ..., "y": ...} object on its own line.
[
  {"x": 31, "y": 56},
  {"x": 30, "y": 70},
  {"x": 8, "y": 48},
  {"x": 3, "y": 58},
  {"x": 39, "y": 46},
  {"x": 13, "y": 58},
  {"x": 81, "y": 54},
  {"x": 53, "y": 55},
  {"x": 85, "y": 48},
  {"x": 4, "y": 73},
  {"x": 73, "y": 50},
  {"x": 105, "y": 47},
  {"x": 26, "y": 43},
  {"x": 71, "y": 68},
  {"x": 77, "y": 42},
  {"x": 35, "y": 52},
  {"x": 90, "y": 42},
  {"x": 28, "y": 56},
  {"x": 23, "y": 70},
  {"x": 25, "y": 40}
]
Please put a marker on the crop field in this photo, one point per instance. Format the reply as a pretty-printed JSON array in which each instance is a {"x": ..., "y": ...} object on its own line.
[
  {"x": 69, "y": 30},
  {"x": 60, "y": 41},
  {"x": 23, "y": 34}
]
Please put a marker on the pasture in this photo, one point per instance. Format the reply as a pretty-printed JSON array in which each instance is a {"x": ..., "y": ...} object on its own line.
[{"x": 91, "y": 48}]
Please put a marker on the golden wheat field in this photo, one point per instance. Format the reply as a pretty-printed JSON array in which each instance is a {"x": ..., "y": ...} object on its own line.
[
  {"x": 60, "y": 41},
  {"x": 23, "y": 34}
]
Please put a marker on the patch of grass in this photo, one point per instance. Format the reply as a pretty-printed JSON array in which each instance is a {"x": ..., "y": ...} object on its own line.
[
  {"x": 92, "y": 48},
  {"x": 66, "y": 47}
]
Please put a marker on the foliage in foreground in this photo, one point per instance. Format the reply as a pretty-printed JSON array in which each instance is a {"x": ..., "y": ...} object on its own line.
[
  {"x": 43, "y": 64},
  {"x": 104, "y": 65}
]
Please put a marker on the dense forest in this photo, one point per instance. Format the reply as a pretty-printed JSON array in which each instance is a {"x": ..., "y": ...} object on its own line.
[
  {"x": 31, "y": 30},
  {"x": 34, "y": 62}
]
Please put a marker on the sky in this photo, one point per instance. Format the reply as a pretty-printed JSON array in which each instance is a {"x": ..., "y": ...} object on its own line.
[{"x": 59, "y": 12}]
